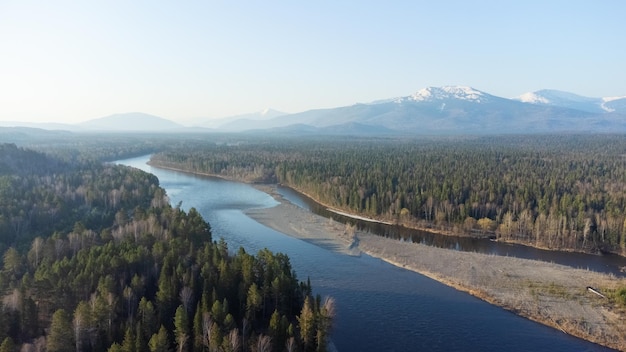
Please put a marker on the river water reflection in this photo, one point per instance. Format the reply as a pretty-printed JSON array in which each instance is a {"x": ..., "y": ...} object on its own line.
[{"x": 379, "y": 307}]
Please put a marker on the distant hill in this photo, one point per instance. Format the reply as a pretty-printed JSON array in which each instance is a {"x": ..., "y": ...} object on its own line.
[
  {"x": 131, "y": 122},
  {"x": 347, "y": 129},
  {"x": 51, "y": 126},
  {"x": 429, "y": 111},
  {"x": 460, "y": 110},
  {"x": 242, "y": 122},
  {"x": 23, "y": 162},
  {"x": 549, "y": 97},
  {"x": 23, "y": 134}
]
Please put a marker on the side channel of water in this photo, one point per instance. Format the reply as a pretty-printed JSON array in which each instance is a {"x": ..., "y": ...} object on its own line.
[
  {"x": 380, "y": 307},
  {"x": 607, "y": 263}
]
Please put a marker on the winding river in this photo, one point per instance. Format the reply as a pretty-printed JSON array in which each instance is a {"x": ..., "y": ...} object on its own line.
[{"x": 380, "y": 307}]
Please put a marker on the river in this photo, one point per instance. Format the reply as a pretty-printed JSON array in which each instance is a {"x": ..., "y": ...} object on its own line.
[
  {"x": 606, "y": 263},
  {"x": 380, "y": 307}
]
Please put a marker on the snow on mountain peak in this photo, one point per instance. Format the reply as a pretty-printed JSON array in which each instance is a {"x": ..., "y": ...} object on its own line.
[
  {"x": 606, "y": 100},
  {"x": 609, "y": 99},
  {"x": 551, "y": 97},
  {"x": 532, "y": 98},
  {"x": 448, "y": 92}
]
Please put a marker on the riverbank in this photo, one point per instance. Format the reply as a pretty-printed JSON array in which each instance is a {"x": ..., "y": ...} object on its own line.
[
  {"x": 551, "y": 294},
  {"x": 414, "y": 225},
  {"x": 292, "y": 220}
]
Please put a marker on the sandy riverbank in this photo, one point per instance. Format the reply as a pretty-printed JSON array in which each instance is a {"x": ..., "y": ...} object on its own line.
[
  {"x": 551, "y": 294},
  {"x": 296, "y": 222}
]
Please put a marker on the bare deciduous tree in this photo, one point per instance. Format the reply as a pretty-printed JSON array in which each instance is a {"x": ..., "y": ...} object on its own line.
[
  {"x": 234, "y": 341},
  {"x": 186, "y": 297},
  {"x": 264, "y": 344}
]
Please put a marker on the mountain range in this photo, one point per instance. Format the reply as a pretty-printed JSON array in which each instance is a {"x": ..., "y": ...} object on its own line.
[
  {"x": 464, "y": 110},
  {"x": 433, "y": 110},
  {"x": 243, "y": 122}
]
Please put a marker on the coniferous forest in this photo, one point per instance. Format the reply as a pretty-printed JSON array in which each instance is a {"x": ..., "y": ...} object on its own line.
[
  {"x": 94, "y": 258},
  {"x": 565, "y": 192}
]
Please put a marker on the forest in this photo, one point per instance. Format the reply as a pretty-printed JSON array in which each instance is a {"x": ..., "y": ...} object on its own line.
[
  {"x": 94, "y": 258},
  {"x": 564, "y": 192}
]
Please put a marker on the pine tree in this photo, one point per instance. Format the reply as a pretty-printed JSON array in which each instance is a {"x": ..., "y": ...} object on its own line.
[
  {"x": 166, "y": 296},
  {"x": 181, "y": 328},
  {"x": 159, "y": 341},
  {"x": 306, "y": 319},
  {"x": 128, "y": 345},
  {"x": 82, "y": 315},
  {"x": 61, "y": 338},
  {"x": 276, "y": 329},
  {"x": 197, "y": 328},
  {"x": 146, "y": 316},
  {"x": 116, "y": 347},
  {"x": 253, "y": 302}
]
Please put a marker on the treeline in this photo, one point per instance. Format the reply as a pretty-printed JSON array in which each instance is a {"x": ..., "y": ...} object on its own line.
[
  {"x": 561, "y": 192},
  {"x": 133, "y": 273},
  {"x": 42, "y": 195}
]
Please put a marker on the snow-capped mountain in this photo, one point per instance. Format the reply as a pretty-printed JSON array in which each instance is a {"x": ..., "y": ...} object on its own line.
[
  {"x": 440, "y": 93},
  {"x": 465, "y": 110},
  {"x": 432, "y": 110},
  {"x": 532, "y": 98},
  {"x": 614, "y": 104},
  {"x": 573, "y": 101},
  {"x": 448, "y": 92}
]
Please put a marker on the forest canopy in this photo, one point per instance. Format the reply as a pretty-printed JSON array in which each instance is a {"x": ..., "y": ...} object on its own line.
[
  {"x": 94, "y": 258},
  {"x": 561, "y": 192}
]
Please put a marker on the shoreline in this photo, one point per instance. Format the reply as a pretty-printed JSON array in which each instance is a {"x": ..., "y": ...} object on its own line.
[
  {"x": 411, "y": 226},
  {"x": 358, "y": 217},
  {"x": 547, "y": 293}
]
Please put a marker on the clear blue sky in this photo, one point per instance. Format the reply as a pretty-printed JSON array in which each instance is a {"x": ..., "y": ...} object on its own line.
[{"x": 70, "y": 61}]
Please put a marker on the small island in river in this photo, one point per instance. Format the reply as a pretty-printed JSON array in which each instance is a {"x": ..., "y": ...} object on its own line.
[{"x": 552, "y": 294}]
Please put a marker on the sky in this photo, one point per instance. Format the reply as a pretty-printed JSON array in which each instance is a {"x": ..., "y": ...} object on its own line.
[{"x": 72, "y": 61}]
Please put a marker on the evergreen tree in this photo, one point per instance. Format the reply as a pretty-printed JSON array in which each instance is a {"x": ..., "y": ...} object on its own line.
[
  {"x": 197, "y": 328},
  {"x": 253, "y": 302},
  {"x": 181, "y": 328},
  {"x": 277, "y": 330},
  {"x": 82, "y": 323},
  {"x": 7, "y": 345},
  {"x": 306, "y": 319},
  {"x": 116, "y": 347},
  {"x": 147, "y": 318},
  {"x": 159, "y": 341},
  {"x": 129, "y": 343},
  {"x": 61, "y": 337}
]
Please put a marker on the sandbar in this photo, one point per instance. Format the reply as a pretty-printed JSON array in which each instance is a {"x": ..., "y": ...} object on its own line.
[{"x": 551, "y": 294}]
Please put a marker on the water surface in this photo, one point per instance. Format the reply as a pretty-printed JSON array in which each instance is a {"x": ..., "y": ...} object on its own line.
[
  {"x": 606, "y": 263},
  {"x": 380, "y": 307}
]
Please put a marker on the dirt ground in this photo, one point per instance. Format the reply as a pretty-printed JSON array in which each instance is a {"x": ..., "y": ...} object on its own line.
[{"x": 548, "y": 293}]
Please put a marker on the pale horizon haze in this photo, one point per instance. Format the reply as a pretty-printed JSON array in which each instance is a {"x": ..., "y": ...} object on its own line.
[{"x": 72, "y": 61}]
